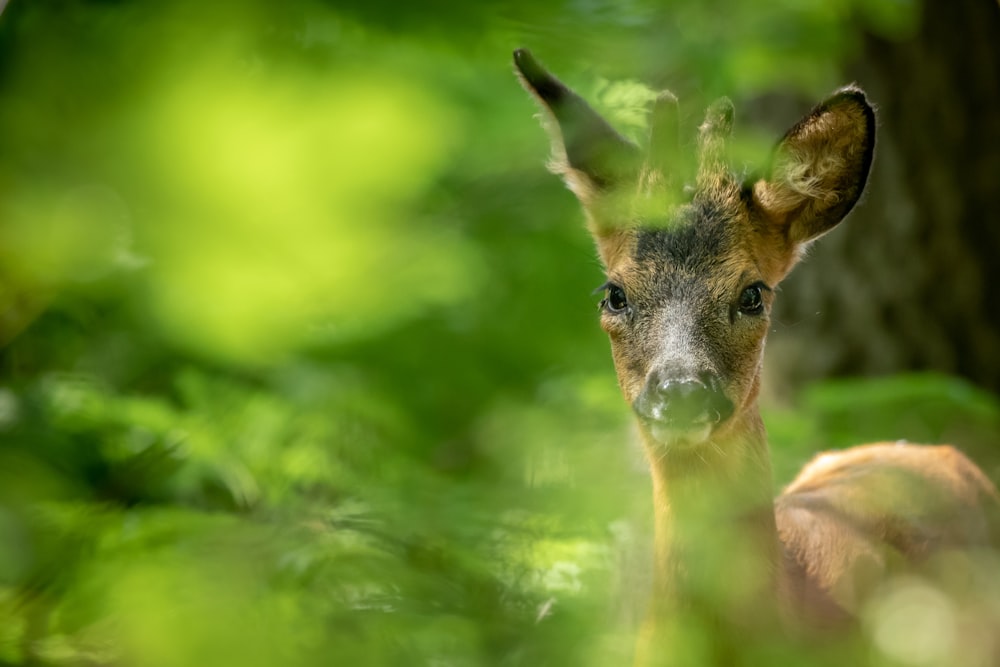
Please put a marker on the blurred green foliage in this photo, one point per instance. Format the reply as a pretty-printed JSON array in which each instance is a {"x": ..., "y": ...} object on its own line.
[{"x": 298, "y": 361}]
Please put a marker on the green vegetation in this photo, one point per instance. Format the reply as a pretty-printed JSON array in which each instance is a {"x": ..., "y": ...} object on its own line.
[{"x": 298, "y": 360}]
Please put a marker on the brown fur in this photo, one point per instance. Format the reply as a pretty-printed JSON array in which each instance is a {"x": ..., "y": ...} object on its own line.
[
  {"x": 852, "y": 515},
  {"x": 813, "y": 556}
]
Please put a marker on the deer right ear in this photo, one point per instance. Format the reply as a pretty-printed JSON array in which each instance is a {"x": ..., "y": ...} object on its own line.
[
  {"x": 589, "y": 154},
  {"x": 819, "y": 169}
]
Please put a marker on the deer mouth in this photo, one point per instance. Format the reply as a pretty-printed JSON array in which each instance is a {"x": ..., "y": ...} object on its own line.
[{"x": 668, "y": 433}]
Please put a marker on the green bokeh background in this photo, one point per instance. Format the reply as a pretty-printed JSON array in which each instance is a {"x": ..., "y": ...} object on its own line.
[{"x": 299, "y": 363}]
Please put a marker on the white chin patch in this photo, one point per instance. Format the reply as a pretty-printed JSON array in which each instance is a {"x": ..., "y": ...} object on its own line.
[{"x": 666, "y": 436}]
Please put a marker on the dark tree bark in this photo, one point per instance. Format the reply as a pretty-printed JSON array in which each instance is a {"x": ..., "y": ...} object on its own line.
[{"x": 910, "y": 281}]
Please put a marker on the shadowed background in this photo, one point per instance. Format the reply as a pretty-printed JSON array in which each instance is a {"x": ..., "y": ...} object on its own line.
[{"x": 299, "y": 361}]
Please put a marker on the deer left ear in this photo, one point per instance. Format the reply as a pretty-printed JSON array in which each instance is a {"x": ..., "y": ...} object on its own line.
[
  {"x": 819, "y": 169},
  {"x": 589, "y": 153}
]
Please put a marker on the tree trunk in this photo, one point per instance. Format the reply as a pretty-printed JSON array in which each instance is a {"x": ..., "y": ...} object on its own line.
[{"x": 909, "y": 282}]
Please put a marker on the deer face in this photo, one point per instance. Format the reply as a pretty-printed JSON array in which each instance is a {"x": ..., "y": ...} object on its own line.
[
  {"x": 691, "y": 276},
  {"x": 686, "y": 309}
]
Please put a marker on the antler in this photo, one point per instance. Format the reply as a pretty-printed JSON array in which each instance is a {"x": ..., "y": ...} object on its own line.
[{"x": 713, "y": 133}]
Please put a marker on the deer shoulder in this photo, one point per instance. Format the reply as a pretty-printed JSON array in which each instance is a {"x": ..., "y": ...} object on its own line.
[{"x": 855, "y": 516}]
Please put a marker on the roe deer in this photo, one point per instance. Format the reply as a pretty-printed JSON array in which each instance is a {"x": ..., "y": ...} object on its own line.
[{"x": 691, "y": 275}]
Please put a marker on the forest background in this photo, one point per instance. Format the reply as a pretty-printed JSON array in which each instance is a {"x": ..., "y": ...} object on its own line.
[{"x": 299, "y": 360}]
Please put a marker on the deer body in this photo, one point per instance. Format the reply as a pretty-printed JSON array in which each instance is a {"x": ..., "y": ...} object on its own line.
[{"x": 691, "y": 277}]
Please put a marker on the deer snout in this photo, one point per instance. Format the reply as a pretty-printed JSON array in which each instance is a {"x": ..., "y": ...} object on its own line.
[{"x": 682, "y": 406}]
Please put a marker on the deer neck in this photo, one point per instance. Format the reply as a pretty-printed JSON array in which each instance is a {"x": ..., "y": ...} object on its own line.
[{"x": 716, "y": 544}]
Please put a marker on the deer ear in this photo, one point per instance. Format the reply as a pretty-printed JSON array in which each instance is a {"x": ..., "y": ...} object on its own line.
[
  {"x": 819, "y": 169},
  {"x": 589, "y": 154}
]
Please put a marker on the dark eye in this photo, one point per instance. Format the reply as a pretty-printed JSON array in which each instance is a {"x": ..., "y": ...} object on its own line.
[
  {"x": 751, "y": 301},
  {"x": 615, "y": 301}
]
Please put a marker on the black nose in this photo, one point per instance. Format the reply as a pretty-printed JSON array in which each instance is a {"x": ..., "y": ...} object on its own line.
[{"x": 683, "y": 402}]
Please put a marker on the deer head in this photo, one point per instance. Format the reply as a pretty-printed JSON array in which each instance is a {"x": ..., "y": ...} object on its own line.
[{"x": 691, "y": 271}]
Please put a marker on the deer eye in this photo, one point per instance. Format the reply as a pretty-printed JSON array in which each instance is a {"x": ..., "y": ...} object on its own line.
[
  {"x": 614, "y": 301},
  {"x": 751, "y": 301}
]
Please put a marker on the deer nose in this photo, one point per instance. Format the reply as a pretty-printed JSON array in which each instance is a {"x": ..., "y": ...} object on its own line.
[{"x": 683, "y": 402}]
